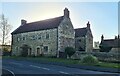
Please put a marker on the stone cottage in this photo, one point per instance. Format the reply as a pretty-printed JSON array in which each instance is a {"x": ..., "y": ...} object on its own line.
[
  {"x": 110, "y": 45},
  {"x": 48, "y": 37},
  {"x": 84, "y": 39}
]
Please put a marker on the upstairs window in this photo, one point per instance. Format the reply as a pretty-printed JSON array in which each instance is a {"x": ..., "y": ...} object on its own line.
[
  {"x": 39, "y": 37},
  {"x": 79, "y": 40},
  {"x": 23, "y": 38},
  {"x": 33, "y": 37},
  {"x": 18, "y": 39},
  {"x": 47, "y": 36}
]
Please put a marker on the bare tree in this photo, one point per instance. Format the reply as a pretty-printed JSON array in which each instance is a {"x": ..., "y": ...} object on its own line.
[{"x": 5, "y": 28}]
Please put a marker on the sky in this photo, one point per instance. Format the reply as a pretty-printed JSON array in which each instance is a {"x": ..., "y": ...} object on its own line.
[{"x": 103, "y": 16}]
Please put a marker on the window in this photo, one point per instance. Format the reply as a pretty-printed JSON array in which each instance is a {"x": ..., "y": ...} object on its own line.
[
  {"x": 23, "y": 38},
  {"x": 39, "y": 36},
  {"x": 79, "y": 40},
  {"x": 32, "y": 37},
  {"x": 18, "y": 39},
  {"x": 46, "y": 48},
  {"x": 47, "y": 36}
]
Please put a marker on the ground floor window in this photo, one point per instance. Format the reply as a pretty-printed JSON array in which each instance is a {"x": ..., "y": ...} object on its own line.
[{"x": 46, "y": 48}]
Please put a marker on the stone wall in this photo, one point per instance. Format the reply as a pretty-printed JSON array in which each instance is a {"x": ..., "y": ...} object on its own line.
[
  {"x": 34, "y": 40},
  {"x": 89, "y": 41},
  {"x": 80, "y": 43},
  {"x": 84, "y": 43},
  {"x": 66, "y": 35}
]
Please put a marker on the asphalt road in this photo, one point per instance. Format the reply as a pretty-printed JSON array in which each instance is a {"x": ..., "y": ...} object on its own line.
[{"x": 21, "y": 67}]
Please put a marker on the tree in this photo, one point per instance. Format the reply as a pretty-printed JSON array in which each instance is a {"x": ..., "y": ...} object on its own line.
[
  {"x": 5, "y": 28},
  {"x": 69, "y": 51}
]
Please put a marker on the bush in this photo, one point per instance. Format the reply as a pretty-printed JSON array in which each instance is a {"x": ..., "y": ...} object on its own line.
[
  {"x": 6, "y": 52},
  {"x": 69, "y": 51},
  {"x": 89, "y": 59}
]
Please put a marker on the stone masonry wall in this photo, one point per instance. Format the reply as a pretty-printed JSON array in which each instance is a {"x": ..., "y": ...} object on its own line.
[
  {"x": 66, "y": 35},
  {"x": 80, "y": 43},
  {"x": 34, "y": 40}
]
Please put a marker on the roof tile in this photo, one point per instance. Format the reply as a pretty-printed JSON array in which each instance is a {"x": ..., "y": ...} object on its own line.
[{"x": 39, "y": 25}]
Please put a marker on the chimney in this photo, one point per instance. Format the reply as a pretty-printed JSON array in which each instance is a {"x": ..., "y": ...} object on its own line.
[
  {"x": 66, "y": 13},
  {"x": 102, "y": 38},
  {"x": 118, "y": 36},
  {"x": 115, "y": 37},
  {"x": 23, "y": 22},
  {"x": 88, "y": 24}
]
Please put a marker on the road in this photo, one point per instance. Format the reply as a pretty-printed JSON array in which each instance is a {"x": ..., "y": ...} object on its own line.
[{"x": 18, "y": 67}]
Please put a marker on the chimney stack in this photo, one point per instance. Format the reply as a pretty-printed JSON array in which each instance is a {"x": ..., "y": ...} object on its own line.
[
  {"x": 88, "y": 24},
  {"x": 23, "y": 22},
  {"x": 102, "y": 38},
  {"x": 66, "y": 13},
  {"x": 118, "y": 36},
  {"x": 115, "y": 37}
]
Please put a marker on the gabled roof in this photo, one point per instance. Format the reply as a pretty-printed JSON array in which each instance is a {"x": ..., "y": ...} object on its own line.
[
  {"x": 39, "y": 25},
  {"x": 111, "y": 43},
  {"x": 80, "y": 32}
]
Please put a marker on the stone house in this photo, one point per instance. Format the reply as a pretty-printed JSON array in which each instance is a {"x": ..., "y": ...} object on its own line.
[
  {"x": 110, "y": 45},
  {"x": 48, "y": 37},
  {"x": 84, "y": 39}
]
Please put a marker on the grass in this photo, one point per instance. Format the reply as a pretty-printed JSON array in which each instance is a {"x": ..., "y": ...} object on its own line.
[{"x": 65, "y": 61}]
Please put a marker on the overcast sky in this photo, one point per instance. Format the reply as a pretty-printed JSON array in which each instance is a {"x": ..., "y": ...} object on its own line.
[{"x": 103, "y": 16}]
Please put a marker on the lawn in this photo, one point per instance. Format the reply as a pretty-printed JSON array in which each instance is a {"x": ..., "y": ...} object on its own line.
[{"x": 66, "y": 61}]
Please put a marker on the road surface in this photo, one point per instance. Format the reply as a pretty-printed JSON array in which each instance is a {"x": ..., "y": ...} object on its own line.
[{"x": 22, "y": 67}]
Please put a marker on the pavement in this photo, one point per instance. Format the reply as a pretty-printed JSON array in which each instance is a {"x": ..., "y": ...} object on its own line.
[{"x": 30, "y": 67}]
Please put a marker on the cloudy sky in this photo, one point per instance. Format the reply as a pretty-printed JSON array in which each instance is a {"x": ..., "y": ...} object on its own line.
[{"x": 103, "y": 16}]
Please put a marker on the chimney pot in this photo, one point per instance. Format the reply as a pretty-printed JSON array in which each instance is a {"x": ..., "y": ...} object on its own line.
[{"x": 23, "y": 22}]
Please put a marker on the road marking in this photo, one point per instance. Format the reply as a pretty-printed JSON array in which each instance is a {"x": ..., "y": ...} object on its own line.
[
  {"x": 46, "y": 68},
  {"x": 35, "y": 66},
  {"x": 16, "y": 63},
  {"x": 10, "y": 71},
  {"x": 39, "y": 67},
  {"x": 63, "y": 72}
]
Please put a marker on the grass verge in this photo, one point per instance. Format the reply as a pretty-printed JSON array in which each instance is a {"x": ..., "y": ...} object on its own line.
[{"x": 65, "y": 61}]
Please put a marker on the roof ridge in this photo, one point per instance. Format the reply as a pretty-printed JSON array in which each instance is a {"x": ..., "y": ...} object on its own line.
[
  {"x": 39, "y": 25},
  {"x": 81, "y": 28},
  {"x": 45, "y": 19},
  {"x": 108, "y": 39}
]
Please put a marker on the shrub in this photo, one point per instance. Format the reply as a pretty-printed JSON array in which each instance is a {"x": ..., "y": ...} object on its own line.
[
  {"x": 69, "y": 51},
  {"x": 6, "y": 52},
  {"x": 89, "y": 59}
]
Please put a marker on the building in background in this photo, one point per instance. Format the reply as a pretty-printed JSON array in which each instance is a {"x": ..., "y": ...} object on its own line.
[
  {"x": 5, "y": 50},
  {"x": 110, "y": 45},
  {"x": 84, "y": 39},
  {"x": 96, "y": 47}
]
